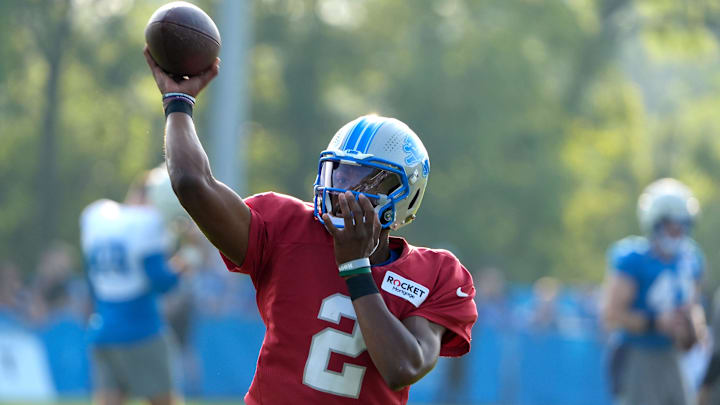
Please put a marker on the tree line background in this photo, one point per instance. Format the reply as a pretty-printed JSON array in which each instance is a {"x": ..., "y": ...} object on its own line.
[{"x": 544, "y": 119}]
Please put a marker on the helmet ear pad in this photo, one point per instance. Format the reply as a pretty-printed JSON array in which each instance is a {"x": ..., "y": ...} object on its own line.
[{"x": 387, "y": 216}]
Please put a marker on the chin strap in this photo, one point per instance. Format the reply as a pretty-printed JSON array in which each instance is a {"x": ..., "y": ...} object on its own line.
[{"x": 375, "y": 248}]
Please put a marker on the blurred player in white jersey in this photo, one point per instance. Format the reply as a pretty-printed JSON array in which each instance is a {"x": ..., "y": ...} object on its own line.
[{"x": 126, "y": 248}]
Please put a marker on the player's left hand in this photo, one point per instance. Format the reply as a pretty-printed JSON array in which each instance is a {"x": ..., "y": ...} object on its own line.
[
  {"x": 678, "y": 325},
  {"x": 361, "y": 233}
]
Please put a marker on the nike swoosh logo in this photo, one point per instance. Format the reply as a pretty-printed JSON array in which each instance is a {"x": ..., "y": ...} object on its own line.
[{"x": 460, "y": 293}]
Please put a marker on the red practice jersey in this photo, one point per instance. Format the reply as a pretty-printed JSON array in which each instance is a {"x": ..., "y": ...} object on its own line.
[{"x": 313, "y": 351}]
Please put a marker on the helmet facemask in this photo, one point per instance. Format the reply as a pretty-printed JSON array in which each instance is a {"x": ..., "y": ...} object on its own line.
[
  {"x": 670, "y": 235},
  {"x": 381, "y": 183}
]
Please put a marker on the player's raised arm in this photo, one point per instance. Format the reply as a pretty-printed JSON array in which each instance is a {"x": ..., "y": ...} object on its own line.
[{"x": 219, "y": 212}]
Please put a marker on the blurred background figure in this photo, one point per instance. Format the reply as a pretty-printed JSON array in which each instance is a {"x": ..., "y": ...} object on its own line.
[
  {"x": 13, "y": 297},
  {"x": 491, "y": 298},
  {"x": 652, "y": 297},
  {"x": 58, "y": 288},
  {"x": 543, "y": 314},
  {"x": 552, "y": 308},
  {"x": 127, "y": 248}
]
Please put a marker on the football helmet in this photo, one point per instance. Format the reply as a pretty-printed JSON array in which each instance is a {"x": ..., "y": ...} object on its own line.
[
  {"x": 666, "y": 199},
  {"x": 379, "y": 157},
  {"x": 161, "y": 195}
]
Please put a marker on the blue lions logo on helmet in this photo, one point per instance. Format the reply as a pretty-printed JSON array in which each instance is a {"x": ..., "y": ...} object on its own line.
[
  {"x": 412, "y": 154},
  {"x": 426, "y": 168}
]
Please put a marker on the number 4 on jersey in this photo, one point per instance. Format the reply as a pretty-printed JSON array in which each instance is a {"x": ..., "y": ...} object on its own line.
[{"x": 348, "y": 382}]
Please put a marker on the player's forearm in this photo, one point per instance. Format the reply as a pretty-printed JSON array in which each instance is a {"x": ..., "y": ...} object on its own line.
[
  {"x": 395, "y": 351},
  {"x": 698, "y": 320},
  {"x": 632, "y": 321},
  {"x": 188, "y": 164}
]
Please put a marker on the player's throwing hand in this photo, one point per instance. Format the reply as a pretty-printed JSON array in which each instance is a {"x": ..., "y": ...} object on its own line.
[
  {"x": 361, "y": 233},
  {"x": 190, "y": 85}
]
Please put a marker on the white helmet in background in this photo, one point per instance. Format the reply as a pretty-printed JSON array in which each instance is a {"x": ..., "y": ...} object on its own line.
[
  {"x": 161, "y": 195},
  {"x": 666, "y": 199},
  {"x": 379, "y": 157}
]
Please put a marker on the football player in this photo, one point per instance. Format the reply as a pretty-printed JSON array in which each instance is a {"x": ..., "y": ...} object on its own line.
[
  {"x": 126, "y": 248},
  {"x": 353, "y": 315},
  {"x": 651, "y": 297}
]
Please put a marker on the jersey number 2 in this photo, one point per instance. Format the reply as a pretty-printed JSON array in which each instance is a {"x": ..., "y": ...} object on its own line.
[{"x": 348, "y": 382}]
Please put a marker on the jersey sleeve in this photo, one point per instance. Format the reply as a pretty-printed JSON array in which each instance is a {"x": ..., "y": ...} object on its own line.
[
  {"x": 452, "y": 305},
  {"x": 259, "y": 246},
  {"x": 621, "y": 258},
  {"x": 161, "y": 277},
  {"x": 700, "y": 264}
]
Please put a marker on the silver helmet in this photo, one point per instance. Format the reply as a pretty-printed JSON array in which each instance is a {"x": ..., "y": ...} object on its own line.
[
  {"x": 666, "y": 199},
  {"x": 379, "y": 157}
]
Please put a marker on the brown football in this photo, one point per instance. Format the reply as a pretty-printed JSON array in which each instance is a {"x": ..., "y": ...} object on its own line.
[{"x": 182, "y": 38}]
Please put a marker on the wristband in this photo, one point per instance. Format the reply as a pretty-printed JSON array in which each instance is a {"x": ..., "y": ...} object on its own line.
[
  {"x": 179, "y": 105},
  {"x": 353, "y": 272},
  {"x": 361, "y": 285},
  {"x": 188, "y": 97},
  {"x": 357, "y": 266}
]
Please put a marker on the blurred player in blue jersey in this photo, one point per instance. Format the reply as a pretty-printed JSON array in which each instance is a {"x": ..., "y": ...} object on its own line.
[
  {"x": 126, "y": 248},
  {"x": 651, "y": 297}
]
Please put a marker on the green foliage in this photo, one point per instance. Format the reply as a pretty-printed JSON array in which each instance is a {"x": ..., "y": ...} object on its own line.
[{"x": 543, "y": 120}]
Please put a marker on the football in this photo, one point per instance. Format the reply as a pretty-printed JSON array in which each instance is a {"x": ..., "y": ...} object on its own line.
[{"x": 182, "y": 39}]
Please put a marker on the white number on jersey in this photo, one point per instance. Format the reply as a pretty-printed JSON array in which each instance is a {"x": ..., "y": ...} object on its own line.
[
  {"x": 348, "y": 382},
  {"x": 112, "y": 274},
  {"x": 661, "y": 294},
  {"x": 108, "y": 257}
]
